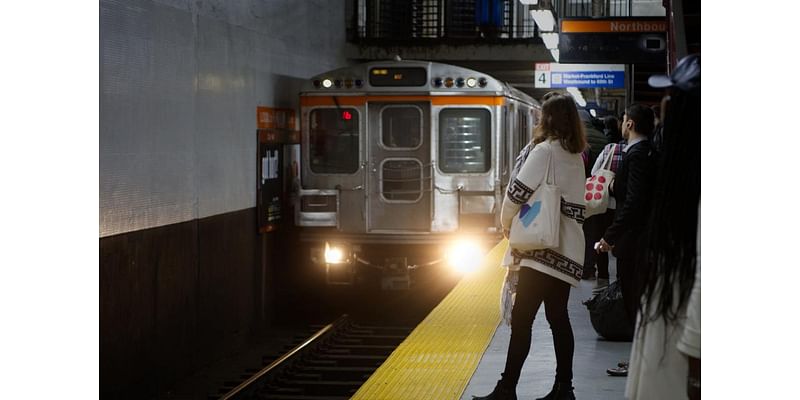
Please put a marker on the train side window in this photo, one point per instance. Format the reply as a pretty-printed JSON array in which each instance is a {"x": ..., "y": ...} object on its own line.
[
  {"x": 401, "y": 127},
  {"x": 465, "y": 140},
  {"x": 333, "y": 140},
  {"x": 503, "y": 142},
  {"x": 523, "y": 128}
]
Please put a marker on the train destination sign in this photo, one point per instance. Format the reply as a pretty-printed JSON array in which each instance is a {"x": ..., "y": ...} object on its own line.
[
  {"x": 398, "y": 76},
  {"x": 613, "y": 40},
  {"x": 554, "y": 75}
]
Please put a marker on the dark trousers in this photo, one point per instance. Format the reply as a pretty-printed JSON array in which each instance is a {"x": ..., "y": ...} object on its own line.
[
  {"x": 534, "y": 288},
  {"x": 626, "y": 274},
  {"x": 593, "y": 229}
]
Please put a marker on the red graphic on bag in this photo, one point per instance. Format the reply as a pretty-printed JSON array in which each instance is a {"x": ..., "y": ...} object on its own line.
[{"x": 595, "y": 191}]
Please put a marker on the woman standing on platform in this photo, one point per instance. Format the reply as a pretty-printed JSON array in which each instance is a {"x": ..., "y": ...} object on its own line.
[
  {"x": 665, "y": 356},
  {"x": 546, "y": 276}
]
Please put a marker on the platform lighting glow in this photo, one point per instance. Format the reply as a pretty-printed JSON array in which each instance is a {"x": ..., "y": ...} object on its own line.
[
  {"x": 529, "y": 2},
  {"x": 577, "y": 95},
  {"x": 464, "y": 255},
  {"x": 554, "y": 53},
  {"x": 550, "y": 40},
  {"x": 544, "y": 19},
  {"x": 333, "y": 254},
  {"x": 326, "y": 83},
  {"x": 471, "y": 82}
]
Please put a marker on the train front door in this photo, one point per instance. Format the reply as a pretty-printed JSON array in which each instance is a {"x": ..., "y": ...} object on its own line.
[{"x": 399, "y": 168}]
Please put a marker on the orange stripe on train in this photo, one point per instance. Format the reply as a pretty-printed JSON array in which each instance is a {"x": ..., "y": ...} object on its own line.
[{"x": 435, "y": 100}]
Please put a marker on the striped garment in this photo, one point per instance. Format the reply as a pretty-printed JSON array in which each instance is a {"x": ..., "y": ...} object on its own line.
[{"x": 616, "y": 161}]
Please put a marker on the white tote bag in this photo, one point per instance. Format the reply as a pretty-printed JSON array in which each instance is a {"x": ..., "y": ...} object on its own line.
[
  {"x": 536, "y": 225},
  {"x": 597, "y": 187}
]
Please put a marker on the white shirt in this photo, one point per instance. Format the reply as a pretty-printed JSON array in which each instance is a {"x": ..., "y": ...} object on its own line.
[{"x": 633, "y": 142}]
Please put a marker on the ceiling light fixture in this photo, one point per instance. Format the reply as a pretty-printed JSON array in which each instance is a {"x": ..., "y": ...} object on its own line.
[
  {"x": 544, "y": 19},
  {"x": 577, "y": 95},
  {"x": 550, "y": 40},
  {"x": 554, "y": 53}
]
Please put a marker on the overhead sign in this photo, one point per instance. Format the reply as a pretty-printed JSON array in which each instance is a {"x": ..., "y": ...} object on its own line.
[
  {"x": 554, "y": 75},
  {"x": 617, "y": 25},
  {"x": 613, "y": 40}
]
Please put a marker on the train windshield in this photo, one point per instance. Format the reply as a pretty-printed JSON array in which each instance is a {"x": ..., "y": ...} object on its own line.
[
  {"x": 333, "y": 140},
  {"x": 401, "y": 127},
  {"x": 464, "y": 140}
]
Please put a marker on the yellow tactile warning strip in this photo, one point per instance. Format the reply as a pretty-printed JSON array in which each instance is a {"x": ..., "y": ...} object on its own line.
[{"x": 438, "y": 358}]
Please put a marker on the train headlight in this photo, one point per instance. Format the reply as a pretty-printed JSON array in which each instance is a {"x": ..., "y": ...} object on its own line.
[
  {"x": 471, "y": 82},
  {"x": 326, "y": 83},
  {"x": 464, "y": 255},
  {"x": 335, "y": 254}
]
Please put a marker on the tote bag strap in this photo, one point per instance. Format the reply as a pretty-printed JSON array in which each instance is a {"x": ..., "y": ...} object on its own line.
[
  {"x": 609, "y": 157},
  {"x": 549, "y": 173}
]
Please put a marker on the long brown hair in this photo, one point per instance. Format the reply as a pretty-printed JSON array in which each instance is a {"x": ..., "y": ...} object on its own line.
[{"x": 560, "y": 121}]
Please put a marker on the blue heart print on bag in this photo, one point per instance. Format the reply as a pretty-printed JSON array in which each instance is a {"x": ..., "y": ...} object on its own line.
[{"x": 528, "y": 213}]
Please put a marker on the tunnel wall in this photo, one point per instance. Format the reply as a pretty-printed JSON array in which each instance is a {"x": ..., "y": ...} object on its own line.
[{"x": 184, "y": 276}]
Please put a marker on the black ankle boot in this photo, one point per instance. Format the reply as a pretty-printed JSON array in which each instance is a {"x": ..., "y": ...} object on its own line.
[
  {"x": 561, "y": 391},
  {"x": 500, "y": 392}
]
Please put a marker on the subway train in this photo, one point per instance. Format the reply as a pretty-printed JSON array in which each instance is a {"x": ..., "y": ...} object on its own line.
[{"x": 404, "y": 166}]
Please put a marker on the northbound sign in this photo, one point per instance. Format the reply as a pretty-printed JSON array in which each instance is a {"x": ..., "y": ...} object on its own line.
[{"x": 613, "y": 40}]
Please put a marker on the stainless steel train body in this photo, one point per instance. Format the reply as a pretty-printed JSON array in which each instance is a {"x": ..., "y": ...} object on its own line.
[{"x": 406, "y": 152}]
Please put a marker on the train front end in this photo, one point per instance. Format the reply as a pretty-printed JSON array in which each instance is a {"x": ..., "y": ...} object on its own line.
[{"x": 398, "y": 171}]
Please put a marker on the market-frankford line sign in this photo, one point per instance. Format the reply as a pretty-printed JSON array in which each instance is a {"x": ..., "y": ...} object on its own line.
[{"x": 554, "y": 75}]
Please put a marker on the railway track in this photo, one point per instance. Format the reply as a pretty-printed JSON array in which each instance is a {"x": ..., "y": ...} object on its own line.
[{"x": 330, "y": 365}]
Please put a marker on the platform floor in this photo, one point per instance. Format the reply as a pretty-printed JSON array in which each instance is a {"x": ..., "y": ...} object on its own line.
[{"x": 593, "y": 356}]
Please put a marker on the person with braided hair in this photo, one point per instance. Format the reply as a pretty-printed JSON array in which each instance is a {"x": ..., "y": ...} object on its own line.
[{"x": 665, "y": 357}]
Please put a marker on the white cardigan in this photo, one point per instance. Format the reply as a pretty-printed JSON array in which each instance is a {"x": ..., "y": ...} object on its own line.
[{"x": 566, "y": 261}]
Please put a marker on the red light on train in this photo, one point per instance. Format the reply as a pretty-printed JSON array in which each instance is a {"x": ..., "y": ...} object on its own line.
[{"x": 347, "y": 116}]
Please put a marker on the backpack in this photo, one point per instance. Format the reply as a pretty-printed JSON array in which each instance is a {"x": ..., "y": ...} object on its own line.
[{"x": 608, "y": 315}]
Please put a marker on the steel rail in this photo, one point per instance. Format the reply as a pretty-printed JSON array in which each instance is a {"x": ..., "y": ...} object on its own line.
[{"x": 246, "y": 385}]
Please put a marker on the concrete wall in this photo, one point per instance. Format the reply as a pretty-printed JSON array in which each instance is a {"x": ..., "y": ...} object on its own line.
[
  {"x": 179, "y": 85},
  {"x": 184, "y": 276}
]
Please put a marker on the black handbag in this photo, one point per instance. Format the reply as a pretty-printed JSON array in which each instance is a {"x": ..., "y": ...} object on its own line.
[{"x": 608, "y": 315}]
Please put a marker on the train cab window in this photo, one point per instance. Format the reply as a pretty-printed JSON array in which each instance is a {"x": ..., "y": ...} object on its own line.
[
  {"x": 401, "y": 127},
  {"x": 333, "y": 140},
  {"x": 401, "y": 180},
  {"x": 464, "y": 140}
]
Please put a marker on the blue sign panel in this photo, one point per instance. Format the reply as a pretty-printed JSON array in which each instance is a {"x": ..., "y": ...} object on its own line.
[{"x": 588, "y": 79}]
